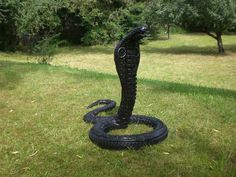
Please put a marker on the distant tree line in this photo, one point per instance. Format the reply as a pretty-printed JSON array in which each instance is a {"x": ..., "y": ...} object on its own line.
[{"x": 24, "y": 23}]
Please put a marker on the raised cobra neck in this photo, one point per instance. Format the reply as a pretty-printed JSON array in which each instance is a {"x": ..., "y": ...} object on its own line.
[{"x": 127, "y": 57}]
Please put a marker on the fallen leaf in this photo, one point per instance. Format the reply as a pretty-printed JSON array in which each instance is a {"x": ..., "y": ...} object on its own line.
[
  {"x": 79, "y": 156},
  {"x": 26, "y": 168},
  {"x": 149, "y": 105},
  {"x": 215, "y": 130},
  {"x": 33, "y": 154},
  {"x": 15, "y": 152},
  {"x": 166, "y": 153}
]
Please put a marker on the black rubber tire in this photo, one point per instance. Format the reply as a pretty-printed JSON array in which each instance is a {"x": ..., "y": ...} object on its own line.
[
  {"x": 99, "y": 134},
  {"x": 92, "y": 116}
]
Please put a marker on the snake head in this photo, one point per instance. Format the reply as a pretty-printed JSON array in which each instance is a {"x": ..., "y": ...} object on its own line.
[
  {"x": 143, "y": 31},
  {"x": 138, "y": 33}
]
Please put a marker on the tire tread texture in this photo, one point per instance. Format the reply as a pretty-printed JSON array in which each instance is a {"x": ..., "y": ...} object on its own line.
[
  {"x": 127, "y": 58},
  {"x": 99, "y": 134}
]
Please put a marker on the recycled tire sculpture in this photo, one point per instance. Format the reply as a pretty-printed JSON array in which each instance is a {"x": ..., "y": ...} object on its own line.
[{"x": 127, "y": 57}]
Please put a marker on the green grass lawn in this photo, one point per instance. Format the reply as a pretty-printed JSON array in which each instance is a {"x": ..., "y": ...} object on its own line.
[{"x": 182, "y": 81}]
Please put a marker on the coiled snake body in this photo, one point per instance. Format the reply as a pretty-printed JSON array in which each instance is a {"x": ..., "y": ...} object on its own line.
[{"x": 127, "y": 57}]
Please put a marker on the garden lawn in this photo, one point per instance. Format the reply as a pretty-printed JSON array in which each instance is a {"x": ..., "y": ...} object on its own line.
[{"x": 182, "y": 81}]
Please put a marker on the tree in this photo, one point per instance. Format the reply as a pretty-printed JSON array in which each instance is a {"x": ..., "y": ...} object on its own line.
[
  {"x": 131, "y": 16},
  {"x": 160, "y": 13},
  {"x": 8, "y": 34},
  {"x": 37, "y": 17},
  {"x": 212, "y": 17},
  {"x": 3, "y": 11},
  {"x": 108, "y": 20},
  {"x": 72, "y": 27},
  {"x": 24, "y": 23}
]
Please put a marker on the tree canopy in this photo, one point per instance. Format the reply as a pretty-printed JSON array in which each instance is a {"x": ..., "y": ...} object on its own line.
[
  {"x": 212, "y": 17},
  {"x": 160, "y": 14},
  {"x": 24, "y": 23},
  {"x": 86, "y": 22}
]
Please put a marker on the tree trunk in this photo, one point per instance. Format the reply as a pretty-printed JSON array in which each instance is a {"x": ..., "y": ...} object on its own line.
[
  {"x": 217, "y": 37},
  {"x": 220, "y": 43}
]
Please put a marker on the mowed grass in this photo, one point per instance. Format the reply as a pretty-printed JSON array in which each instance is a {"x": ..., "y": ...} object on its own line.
[
  {"x": 184, "y": 59},
  {"x": 42, "y": 106}
]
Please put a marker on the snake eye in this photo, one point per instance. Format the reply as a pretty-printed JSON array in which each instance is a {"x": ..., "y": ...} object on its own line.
[{"x": 122, "y": 52}]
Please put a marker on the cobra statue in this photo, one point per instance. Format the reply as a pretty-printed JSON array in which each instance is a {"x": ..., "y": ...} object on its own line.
[{"x": 127, "y": 57}]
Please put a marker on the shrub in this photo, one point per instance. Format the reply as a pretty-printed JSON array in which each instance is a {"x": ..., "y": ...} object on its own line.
[{"x": 45, "y": 49}]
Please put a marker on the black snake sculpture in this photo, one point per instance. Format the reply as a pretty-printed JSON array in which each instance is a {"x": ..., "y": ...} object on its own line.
[{"x": 127, "y": 57}]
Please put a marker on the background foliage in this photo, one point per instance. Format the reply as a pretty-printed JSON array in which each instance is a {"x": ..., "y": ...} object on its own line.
[{"x": 24, "y": 23}]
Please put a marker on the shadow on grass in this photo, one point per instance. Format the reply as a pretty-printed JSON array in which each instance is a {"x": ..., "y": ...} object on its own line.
[
  {"x": 17, "y": 71},
  {"x": 109, "y": 49},
  {"x": 190, "y": 50},
  {"x": 203, "y": 145},
  {"x": 188, "y": 88},
  {"x": 87, "y": 50},
  {"x": 12, "y": 73},
  {"x": 166, "y": 85}
]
